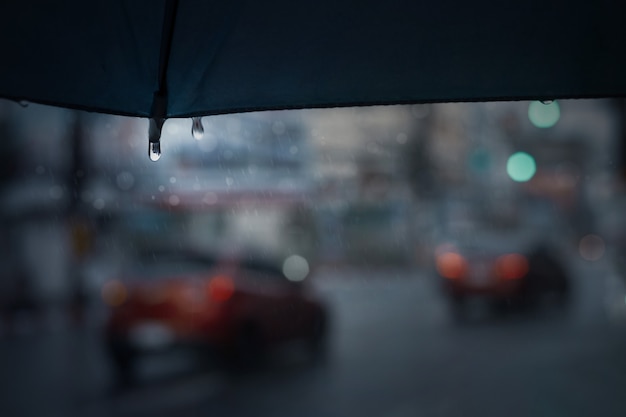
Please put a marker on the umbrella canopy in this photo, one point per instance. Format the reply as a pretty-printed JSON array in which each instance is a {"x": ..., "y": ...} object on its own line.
[{"x": 168, "y": 58}]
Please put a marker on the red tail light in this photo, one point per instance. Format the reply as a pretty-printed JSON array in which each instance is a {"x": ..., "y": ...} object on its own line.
[
  {"x": 512, "y": 266},
  {"x": 451, "y": 265},
  {"x": 221, "y": 288}
]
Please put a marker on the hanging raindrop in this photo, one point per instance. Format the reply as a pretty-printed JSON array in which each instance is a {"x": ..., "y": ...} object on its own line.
[
  {"x": 197, "y": 130},
  {"x": 154, "y": 139},
  {"x": 23, "y": 103},
  {"x": 547, "y": 102},
  {"x": 154, "y": 151}
]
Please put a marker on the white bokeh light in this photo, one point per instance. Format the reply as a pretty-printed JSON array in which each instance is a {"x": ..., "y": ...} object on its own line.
[{"x": 296, "y": 268}]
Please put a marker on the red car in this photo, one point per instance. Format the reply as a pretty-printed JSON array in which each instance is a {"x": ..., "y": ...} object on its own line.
[
  {"x": 505, "y": 275},
  {"x": 236, "y": 307}
]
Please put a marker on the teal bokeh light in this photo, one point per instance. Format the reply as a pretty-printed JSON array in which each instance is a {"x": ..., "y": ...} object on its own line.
[
  {"x": 544, "y": 115},
  {"x": 521, "y": 167}
]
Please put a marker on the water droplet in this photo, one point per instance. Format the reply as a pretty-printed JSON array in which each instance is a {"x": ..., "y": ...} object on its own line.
[
  {"x": 154, "y": 138},
  {"x": 547, "y": 102},
  {"x": 172, "y": 180},
  {"x": 23, "y": 103},
  {"x": 197, "y": 130},
  {"x": 154, "y": 151}
]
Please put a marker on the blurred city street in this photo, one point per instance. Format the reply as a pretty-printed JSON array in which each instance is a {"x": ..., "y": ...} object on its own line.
[
  {"x": 395, "y": 351},
  {"x": 376, "y": 230}
]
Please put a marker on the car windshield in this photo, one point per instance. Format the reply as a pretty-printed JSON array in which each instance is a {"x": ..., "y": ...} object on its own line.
[{"x": 360, "y": 205}]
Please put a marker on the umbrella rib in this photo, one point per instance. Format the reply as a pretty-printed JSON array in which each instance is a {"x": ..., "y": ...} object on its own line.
[{"x": 159, "y": 104}]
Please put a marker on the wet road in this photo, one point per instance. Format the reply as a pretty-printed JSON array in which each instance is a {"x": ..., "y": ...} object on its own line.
[{"x": 395, "y": 352}]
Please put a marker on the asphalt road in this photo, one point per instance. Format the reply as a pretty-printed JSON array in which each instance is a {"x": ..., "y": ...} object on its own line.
[{"x": 395, "y": 352}]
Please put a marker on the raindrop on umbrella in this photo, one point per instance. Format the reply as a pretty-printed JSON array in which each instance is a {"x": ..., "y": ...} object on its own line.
[
  {"x": 154, "y": 152},
  {"x": 547, "y": 102},
  {"x": 154, "y": 139},
  {"x": 197, "y": 130},
  {"x": 23, "y": 103}
]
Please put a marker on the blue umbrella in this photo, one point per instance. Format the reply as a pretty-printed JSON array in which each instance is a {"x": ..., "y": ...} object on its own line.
[{"x": 190, "y": 58}]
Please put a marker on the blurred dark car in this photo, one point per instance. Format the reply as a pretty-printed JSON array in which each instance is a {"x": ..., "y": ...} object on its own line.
[
  {"x": 507, "y": 270},
  {"x": 235, "y": 308}
]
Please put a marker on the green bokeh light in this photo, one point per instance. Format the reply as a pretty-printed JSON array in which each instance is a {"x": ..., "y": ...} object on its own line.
[
  {"x": 521, "y": 166},
  {"x": 544, "y": 115}
]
